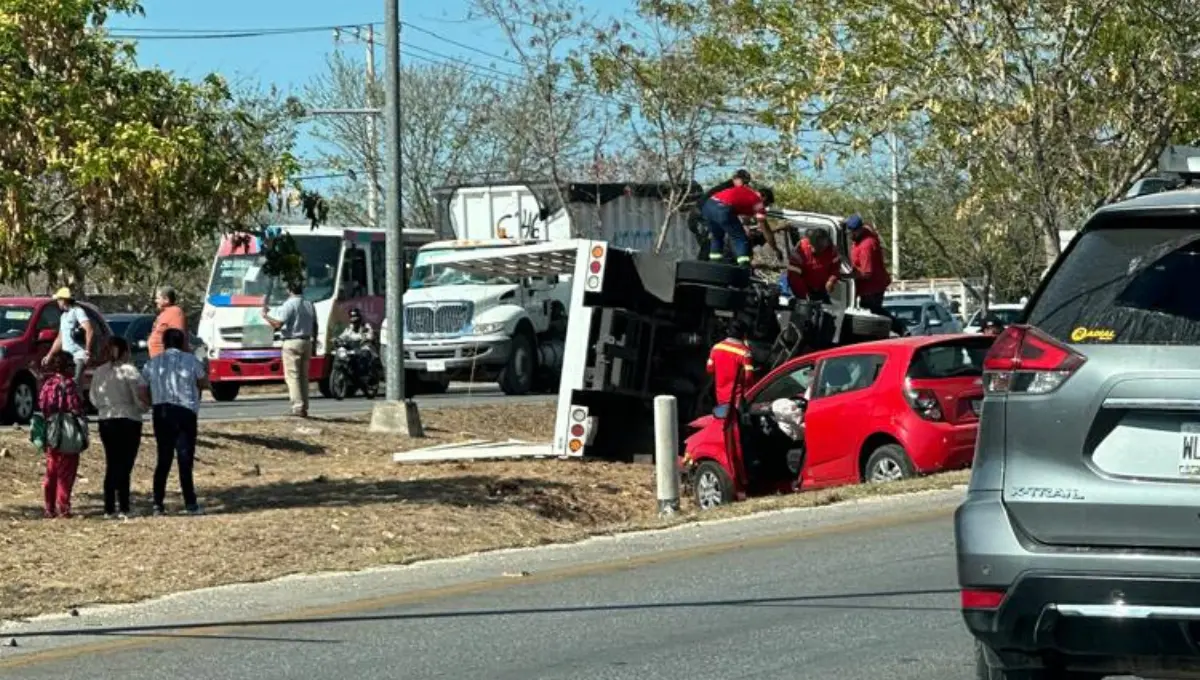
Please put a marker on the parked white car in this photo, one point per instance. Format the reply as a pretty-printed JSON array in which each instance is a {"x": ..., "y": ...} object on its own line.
[{"x": 1008, "y": 313}]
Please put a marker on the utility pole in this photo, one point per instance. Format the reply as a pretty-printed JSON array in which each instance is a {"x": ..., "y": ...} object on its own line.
[
  {"x": 396, "y": 414},
  {"x": 372, "y": 135},
  {"x": 366, "y": 35},
  {"x": 895, "y": 205}
]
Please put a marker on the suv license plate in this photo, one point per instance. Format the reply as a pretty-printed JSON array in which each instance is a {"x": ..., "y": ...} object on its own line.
[
  {"x": 1189, "y": 450},
  {"x": 437, "y": 366}
]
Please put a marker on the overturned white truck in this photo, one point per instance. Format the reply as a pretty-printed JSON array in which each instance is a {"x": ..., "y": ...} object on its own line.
[
  {"x": 640, "y": 325},
  {"x": 509, "y": 326}
]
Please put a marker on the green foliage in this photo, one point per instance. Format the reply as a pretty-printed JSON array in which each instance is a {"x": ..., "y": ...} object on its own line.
[
  {"x": 103, "y": 163},
  {"x": 1044, "y": 108}
]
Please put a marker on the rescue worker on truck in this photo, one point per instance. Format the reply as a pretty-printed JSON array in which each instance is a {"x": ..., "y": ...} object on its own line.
[
  {"x": 731, "y": 364},
  {"x": 813, "y": 268},
  {"x": 870, "y": 274},
  {"x": 722, "y": 213}
]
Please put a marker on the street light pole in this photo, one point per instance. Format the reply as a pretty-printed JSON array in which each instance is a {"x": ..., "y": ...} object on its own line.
[{"x": 396, "y": 414}]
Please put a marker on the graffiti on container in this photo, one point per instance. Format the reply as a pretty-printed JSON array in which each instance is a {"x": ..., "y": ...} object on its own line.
[{"x": 634, "y": 239}]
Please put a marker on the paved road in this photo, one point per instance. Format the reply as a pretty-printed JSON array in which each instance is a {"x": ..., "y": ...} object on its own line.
[
  {"x": 864, "y": 602},
  {"x": 255, "y": 407}
]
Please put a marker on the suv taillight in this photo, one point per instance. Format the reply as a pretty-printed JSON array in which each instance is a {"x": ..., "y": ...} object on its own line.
[
  {"x": 1024, "y": 360},
  {"x": 923, "y": 402}
]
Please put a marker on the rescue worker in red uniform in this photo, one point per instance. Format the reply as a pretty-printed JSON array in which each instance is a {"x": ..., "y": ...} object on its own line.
[
  {"x": 871, "y": 277},
  {"x": 731, "y": 364},
  {"x": 722, "y": 213},
  {"x": 814, "y": 267}
]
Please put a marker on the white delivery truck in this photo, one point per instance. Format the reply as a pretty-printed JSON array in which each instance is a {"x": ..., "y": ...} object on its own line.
[
  {"x": 641, "y": 325},
  {"x": 510, "y": 325}
]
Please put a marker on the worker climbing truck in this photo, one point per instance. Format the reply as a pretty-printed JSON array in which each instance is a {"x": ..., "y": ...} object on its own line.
[{"x": 641, "y": 325}]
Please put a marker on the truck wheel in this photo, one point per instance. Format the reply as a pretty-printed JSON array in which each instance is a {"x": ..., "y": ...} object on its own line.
[
  {"x": 435, "y": 386},
  {"x": 713, "y": 297},
  {"x": 711, "y": 485},
  {"x": 712, "y": 274},
  {"x": 224, "y": 391},
  {"x": 517, "y": 376}
]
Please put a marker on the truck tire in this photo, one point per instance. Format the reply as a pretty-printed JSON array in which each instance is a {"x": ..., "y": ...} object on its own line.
[
  {"x": 712, "y": 274},
  {"x": 518, "y": 374},
  {"x": 224, "y": 391},
  {"x": 867, "y": 325}
]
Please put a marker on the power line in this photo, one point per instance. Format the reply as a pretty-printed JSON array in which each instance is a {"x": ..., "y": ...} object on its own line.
[
  {"x": 438, "y": 36},
  {"x": 223, "y": 33}
]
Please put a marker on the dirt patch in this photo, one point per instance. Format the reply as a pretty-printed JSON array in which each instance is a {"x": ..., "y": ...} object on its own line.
[{"x": 322, "y": 495}]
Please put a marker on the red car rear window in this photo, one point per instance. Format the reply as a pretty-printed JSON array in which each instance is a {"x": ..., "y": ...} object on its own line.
[{"x": 958, "y": 358}]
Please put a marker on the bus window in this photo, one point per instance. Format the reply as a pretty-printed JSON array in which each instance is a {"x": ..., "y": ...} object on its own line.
[
  {"x": 238, "y": 273},
  {"x": 379, "y": 267},
  {"x": 354, "y": 273}
]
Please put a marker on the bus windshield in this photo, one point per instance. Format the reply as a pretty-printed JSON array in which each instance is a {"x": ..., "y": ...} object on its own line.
[
  {"x": 240, "y": 275},
  {"x": 433, "y": 268}
]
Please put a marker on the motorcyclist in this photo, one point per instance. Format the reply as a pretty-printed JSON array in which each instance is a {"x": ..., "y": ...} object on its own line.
[
  {"x": 361, "y": 337},
  {"x": 992, "y": 325}
]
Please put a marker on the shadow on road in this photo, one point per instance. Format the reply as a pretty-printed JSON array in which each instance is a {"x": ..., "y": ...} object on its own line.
[
  {"x": 269, "y": 442},
  {"x": 215, "y": 629}
]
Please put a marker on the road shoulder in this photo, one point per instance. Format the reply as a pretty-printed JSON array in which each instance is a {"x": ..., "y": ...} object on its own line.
[{"x": 203, "y": 611}]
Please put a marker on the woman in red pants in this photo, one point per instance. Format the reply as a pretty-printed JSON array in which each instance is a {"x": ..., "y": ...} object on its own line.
[{"x": 60, "y": 394}]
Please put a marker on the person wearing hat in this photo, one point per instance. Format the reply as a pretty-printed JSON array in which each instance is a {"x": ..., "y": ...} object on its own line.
[
  {"x": 723, "y": 213},
  {"x": 870, "y": 274},
  {"x": 992, "y": 325},
  {"x": 75, "y": 333}
]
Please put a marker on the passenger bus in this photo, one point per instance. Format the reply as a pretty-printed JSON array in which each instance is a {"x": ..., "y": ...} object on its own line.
[{"x": 344, "y": 268}]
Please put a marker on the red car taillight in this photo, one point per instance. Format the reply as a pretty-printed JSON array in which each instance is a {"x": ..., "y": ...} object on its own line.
[
  {"x": 924, "y": 402},
  {"x": 1024, "y": 360}
]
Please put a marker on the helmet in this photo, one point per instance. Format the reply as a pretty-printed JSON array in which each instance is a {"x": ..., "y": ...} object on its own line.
[{"x": 355, "y": 315}]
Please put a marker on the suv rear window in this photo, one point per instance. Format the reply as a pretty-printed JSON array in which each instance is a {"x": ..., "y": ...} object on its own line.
[
  {"x": 1136, "y": 283},
  {"x": 961, "y": 358}
]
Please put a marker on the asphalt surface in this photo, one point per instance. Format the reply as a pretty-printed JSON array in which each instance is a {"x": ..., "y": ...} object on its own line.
[
  {"x": 801, "y": 598},
  {"x": 257, "y": 407}
]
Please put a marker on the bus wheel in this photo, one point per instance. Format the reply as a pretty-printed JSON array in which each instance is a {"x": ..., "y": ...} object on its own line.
[{"x": 224, "y": 391}]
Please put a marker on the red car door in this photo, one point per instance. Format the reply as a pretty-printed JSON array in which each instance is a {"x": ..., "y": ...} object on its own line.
[{"x": 837, "y": 418}]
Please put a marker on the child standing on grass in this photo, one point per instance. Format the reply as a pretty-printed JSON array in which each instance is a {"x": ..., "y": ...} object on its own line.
[{"x": 60, "y": 394}]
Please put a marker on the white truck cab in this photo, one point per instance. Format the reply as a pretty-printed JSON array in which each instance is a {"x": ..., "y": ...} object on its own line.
[{"x": 507, "y": 326}]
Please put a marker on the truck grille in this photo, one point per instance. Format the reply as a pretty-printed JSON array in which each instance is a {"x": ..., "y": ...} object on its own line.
[{"x": 448, "y": 319}]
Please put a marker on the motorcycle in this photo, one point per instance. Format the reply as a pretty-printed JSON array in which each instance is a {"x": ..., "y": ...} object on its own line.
[{"x": 354, "y": 368}]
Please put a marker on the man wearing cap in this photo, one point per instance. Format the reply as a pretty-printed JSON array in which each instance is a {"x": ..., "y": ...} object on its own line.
[
  {"x": 74, "y": 333},
  {"x": 722, "y": 212},
  {"x": 871, "y": 277}
]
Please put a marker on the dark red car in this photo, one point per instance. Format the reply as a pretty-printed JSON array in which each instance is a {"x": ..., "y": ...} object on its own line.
[
  {"x": 28, "y": 327},
  {"x": 873, "y": 412}
]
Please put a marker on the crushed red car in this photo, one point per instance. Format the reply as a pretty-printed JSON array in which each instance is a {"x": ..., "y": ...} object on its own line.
[{"x": 872, "y": 412}]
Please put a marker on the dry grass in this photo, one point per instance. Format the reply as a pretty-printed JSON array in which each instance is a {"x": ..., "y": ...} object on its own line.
[{"x": 326, "y": 497}]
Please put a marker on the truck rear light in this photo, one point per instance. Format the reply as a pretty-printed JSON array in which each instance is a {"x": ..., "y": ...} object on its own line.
[
  {"x": 1024, "y": 360},
  {"x": 924, "y": 402},
  {"x": 987, "y": 599},
  {"x": 596, "y": 261},
  {"x": 579, "y": 432}
]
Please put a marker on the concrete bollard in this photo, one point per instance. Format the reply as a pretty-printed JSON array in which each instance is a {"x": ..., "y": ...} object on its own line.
[{"x": 666, "y": 454}]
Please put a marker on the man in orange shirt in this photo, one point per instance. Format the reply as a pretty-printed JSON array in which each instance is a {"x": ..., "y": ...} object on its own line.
[
  {"x": 732, "y": 366},
  {"x": 170, "y": 315},
  {"x": 814, "y": 266},
  {"x": 723, "y": 213}
]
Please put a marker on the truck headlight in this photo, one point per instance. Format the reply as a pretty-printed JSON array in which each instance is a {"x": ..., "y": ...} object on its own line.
[{"x": 487, "y": 328}]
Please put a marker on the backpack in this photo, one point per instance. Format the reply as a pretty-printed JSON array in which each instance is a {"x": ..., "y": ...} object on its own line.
[{"x": 66, "y": 432}]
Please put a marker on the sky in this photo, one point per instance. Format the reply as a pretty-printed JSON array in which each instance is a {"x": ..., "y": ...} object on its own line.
[{"x": 436, "y": 31}]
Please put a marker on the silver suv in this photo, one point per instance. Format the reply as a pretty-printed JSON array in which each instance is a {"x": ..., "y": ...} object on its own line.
[{"x": 1079, "y": 541}]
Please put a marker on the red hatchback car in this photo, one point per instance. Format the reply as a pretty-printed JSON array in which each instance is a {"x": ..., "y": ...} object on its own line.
[
  {"x": 28, "y": 327},
  {"x": 873, "y": 412}
]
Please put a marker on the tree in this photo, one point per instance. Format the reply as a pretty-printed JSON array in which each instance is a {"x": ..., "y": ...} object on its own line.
[
  {"x": 665, "y": 101},
  {"x": 1048, "y": 108},
  {"x": 105, "y": 163}
]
